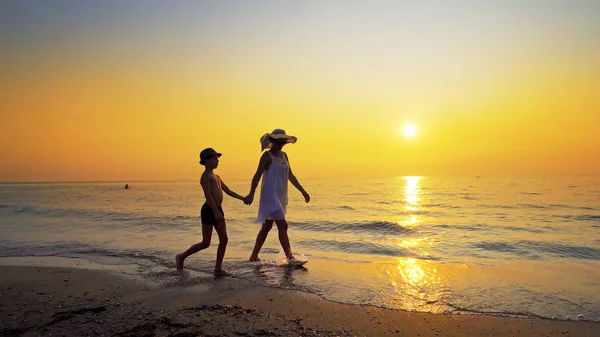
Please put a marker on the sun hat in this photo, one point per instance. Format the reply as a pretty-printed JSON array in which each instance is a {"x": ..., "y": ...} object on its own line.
[
  {"x": 265, "y": 140},
  {"x": 208, "y": 152}
]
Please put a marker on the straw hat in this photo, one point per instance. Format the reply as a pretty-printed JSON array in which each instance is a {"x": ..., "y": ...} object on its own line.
[{"x": 265, "y": 140}]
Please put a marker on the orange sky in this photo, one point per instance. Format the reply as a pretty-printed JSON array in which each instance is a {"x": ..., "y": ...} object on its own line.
[{"x": 134, "y": 93}]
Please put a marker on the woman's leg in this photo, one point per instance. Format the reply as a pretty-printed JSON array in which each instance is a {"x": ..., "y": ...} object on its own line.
[
  {"x": 260, "y": 239},
  {"x": 282, "y": 227}
]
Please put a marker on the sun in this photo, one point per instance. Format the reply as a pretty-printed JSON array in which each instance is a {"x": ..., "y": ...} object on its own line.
[{"x": 409, "y": 130}]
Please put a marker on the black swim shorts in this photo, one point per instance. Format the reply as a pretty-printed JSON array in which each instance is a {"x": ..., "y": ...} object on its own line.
[{"x": 207, "y": 215}]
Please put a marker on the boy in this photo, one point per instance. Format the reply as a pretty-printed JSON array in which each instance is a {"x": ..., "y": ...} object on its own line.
[{"x": 211, "y": 214}]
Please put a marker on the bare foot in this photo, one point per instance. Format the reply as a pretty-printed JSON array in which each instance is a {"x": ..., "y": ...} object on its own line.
[
  {"x": 179, "y": 263},
  {"x": 221, "y": 272},
  {"x": 291, "y": 261},
  {"x": 254, "y": 259}
]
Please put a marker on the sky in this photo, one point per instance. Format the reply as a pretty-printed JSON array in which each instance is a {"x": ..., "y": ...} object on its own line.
[{"x": 134, "y": 90}]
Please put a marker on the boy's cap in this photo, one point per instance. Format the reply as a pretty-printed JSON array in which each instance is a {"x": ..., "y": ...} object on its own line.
[{"x": 208, "y": 152}]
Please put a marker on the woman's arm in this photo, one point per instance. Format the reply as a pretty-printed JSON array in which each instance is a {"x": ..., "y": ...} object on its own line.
[
  {"x": 292, "y": 178},
  {"x": 263, "y": 164}
]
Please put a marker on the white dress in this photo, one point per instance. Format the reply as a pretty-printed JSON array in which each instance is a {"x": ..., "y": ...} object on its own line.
[{"x": 273, "y": 191}]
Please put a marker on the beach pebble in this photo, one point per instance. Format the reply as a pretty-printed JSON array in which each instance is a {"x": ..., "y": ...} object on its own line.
[{"x": 580, "y": 316}]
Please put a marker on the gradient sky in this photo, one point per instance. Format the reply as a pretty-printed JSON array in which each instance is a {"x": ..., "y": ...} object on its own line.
[{"x": 133, "y": 90}]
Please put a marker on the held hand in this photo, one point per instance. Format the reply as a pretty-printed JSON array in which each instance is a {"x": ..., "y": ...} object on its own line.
[
  {"x": 248, "y": 199},
  {"x": 306, "y": 196}
]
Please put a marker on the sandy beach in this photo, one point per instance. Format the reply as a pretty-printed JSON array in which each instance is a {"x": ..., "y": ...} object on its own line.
[
  {"x": 49, "y": 301},
  {"x": 434, "y": 164}
]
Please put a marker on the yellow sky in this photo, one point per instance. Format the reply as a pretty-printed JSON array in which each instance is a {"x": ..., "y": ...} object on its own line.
[{"x": 139, "y": 98}]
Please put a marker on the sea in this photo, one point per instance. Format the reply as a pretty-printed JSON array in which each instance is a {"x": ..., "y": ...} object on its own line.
[{"x": 507, "y": 246}]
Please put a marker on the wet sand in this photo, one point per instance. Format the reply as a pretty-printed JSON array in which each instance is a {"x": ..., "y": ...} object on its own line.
[{"x": 44, "y": 301}]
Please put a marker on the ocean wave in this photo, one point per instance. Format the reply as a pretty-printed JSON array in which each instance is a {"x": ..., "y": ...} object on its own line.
[
  {"x": 579, "y": 217},
  {"x": 501, "y": 313},
  {"x": 440, "y": 205},
  {"x": 115, "y": 219},
  {"x": 32, "y": 249},
  {"x": 494, "y": 206},
  {"x": 474, "y": 227},
  {"x": 434, "y": 205},
  {"x": 375, "y": 227},
  {"x": 531, "y": 206},
  {"x": 486, "y": 227},
  {"x": 567, "y": 251},
  {"x": 503, "y": 247},
  {"x": 523, "y": 229},
  {"x": 78, "y": 249},
  {"x": 152, "y": 255},
  {"x": 539, "y": 250},
  {"x": 344, "y": 207},
  {"x": 361, "y": 247},
  {"x": 587, "y": 208}
]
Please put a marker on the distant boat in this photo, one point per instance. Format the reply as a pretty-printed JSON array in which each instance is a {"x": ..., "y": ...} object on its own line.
[{"x": 126, "y": 186}]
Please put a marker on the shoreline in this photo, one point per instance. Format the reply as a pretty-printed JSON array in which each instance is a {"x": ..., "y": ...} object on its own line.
[
  {"x": 74, "y": 300},
  {"x": 166, "y": 276}
]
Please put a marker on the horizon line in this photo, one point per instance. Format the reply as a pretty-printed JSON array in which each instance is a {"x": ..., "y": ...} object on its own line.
[{"x": 382, "y": 176}]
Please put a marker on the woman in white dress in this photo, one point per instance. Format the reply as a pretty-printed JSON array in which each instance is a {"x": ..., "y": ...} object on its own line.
[{"x": 274, "y": 167}]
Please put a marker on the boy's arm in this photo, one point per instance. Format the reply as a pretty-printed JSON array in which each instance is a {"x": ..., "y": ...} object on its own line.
[
  {"x": 230, "y": 192},
  {"x": 292, "y": 178},
  {"x": 262, "y": 165},
  {"x": 205, "y": 182}
]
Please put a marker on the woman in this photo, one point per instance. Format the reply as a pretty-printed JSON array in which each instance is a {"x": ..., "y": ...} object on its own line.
[{"x": 274, "y": 166}]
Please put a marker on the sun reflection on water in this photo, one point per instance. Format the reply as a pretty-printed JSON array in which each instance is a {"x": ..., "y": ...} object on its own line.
[
  {"x": 417, "y": 285},
  {"x": 416, "y": 282},
  {"x": 412, "y": 272},
  {"x": 411, "y": 200},
  {"x": 413, "y": 242},
  {"x": 411, "y": 193},
  {"x": 412, "y": 221}
]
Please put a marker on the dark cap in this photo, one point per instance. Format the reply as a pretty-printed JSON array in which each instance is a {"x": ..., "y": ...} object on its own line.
[{"x": 208, "y": 152}]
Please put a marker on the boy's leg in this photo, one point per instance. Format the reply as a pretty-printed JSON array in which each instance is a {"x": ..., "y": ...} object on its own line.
[
  {"x": 260, "y": 239},
  {"x": 206, "y": 236},
  {"x": 282, "y": 227},
  {"x": 221, "y": 229}
]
